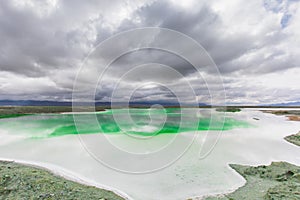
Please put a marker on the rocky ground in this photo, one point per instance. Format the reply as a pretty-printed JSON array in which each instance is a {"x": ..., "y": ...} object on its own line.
[
  {"x": 295, "y": 139},
  {"x": 19, "y": 181},
  {"x": 278, "y": 181}
]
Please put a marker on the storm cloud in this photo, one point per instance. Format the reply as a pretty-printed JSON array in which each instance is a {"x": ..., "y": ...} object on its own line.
[{"x": 255, "y": 45}]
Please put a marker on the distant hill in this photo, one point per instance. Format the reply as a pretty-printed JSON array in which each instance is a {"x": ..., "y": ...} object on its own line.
[
  {"x": 33, "y": 103},
  {"x": 45, "y": 103},
  {"x": 291, "y": 104},
  {"x": 105, "y": 104},
  {"x": 132, "y": 104}
]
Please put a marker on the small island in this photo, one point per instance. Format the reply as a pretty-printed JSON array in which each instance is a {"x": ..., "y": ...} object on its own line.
[{"x": 228, "y": 109}]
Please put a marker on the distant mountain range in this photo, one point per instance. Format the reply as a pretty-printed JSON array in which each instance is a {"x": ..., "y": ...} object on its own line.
[
  {"x": 33, "y": 103},
  {"x": 133, "y": 104},
  {"x": 291, "y": 104},
  {"x": 65, "y": 103}
]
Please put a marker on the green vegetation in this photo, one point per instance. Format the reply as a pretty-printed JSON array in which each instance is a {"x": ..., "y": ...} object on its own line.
[
  {"x": 295, "y": 139},
  {"x": 283, "y": 112},
  {"x": 25, "y": 182},
  {"x": 2, "y": 116},
  {"x": 292, "y": 115},
  {"x": 39, "y": 109},
  {"x": 280, "y": 180},
  {"x": 228, "y": 109}
]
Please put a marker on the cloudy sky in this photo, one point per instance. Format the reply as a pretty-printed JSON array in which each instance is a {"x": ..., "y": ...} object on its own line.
[{"x": 254, "y": 44}]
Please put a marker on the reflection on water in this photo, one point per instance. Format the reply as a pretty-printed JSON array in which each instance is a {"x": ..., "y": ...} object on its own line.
[{"x": 143, "y": 122}]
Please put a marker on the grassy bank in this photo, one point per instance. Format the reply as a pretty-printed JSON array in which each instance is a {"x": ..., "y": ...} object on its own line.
[
  {"x": 228, "y": 109},
  {"x": 280, "y": 180},
  {"x": 283, "y": 112},
  {"x": 19, "y": 181},
  {"x": 18, "y": 110},
  {"x": 292, "y": 115},
  {"x": 295, "y": 139},
  {"x": 2, "y": 116}
]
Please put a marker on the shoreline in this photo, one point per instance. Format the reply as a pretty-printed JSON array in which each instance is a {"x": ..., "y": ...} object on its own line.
[
  {"x": 69, "y": 175},
  {"x": 66, "y": 175},
  {"x": 237, "y": 169},
  {"x": 293, "y": 139},
  {"x": 277, "y": 179}
]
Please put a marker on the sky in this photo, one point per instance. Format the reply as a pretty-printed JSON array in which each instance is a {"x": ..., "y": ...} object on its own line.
[{"x": 255, "y": 46}]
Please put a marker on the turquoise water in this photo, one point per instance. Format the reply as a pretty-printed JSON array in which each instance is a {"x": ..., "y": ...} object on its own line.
[{"x": 143, "y": 122}]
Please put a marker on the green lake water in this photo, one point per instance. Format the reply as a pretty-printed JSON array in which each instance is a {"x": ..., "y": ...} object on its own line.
[{"x": 143, "y": 122}]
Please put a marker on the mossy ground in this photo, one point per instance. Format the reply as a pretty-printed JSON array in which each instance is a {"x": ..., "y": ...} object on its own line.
[
  {"x": 228, "y": 109},
  {"x": 295, "y": 139},
  {"x": 2, "y": 116},
  {"x": 283, "y": 112},
  {"x": 292, "y": 115},
  {"x": 10, "y": 110},
  {"x": 278, "y": 181},
  {"x": 26, "y": 182}
]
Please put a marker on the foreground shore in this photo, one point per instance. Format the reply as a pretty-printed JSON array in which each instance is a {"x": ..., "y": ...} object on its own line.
[
  {"x": 19, "y": 181},
  {"x": 280, "y": 180}
]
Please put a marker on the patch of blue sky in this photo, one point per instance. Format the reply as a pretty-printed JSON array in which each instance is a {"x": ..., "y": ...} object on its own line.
[
  {"x": 280, "y": 6},
  {"x": 285, "y": 20},
  {"x": 273, "y": 5}
]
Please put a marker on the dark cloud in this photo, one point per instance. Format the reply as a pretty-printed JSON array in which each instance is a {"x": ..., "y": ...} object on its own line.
[
  {"x": 227, "y": 48},
  {"x": 43, "y": 44}
]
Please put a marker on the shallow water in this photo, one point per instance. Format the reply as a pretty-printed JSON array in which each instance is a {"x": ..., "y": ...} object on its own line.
[
  {"x": 192, "y": 175},
  {"x": 144, "y": 122}
]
